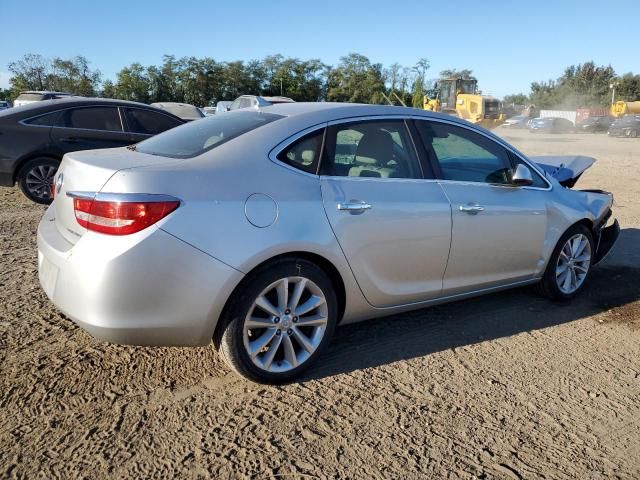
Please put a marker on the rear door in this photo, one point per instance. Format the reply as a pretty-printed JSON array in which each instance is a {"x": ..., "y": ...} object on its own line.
[
  {"x": 141, "y": 123},
  {"x": 393, "y": 225},
  {"x": 89, "y": 128},
  {"x": 498, "y": 230}
]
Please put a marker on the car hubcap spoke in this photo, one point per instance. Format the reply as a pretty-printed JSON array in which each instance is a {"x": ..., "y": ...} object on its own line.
[
  {"x": 286, "y": 324},
  {"x": 573, "y": 263},
  {"x": 311, "y": 304}
]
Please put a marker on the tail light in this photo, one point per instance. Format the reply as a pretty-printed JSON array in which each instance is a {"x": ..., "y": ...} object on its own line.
[{"x": 120, "y": 214}]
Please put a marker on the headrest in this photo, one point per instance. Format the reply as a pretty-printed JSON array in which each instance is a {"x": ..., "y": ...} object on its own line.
[{"x": 375, "y": 148}]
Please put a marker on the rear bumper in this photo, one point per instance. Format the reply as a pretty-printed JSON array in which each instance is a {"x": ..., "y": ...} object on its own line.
[
  {"x": 607, "y": 239},
  {"x": 148, "y": 288}
]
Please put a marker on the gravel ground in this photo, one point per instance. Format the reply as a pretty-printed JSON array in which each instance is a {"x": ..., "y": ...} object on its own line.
[{"x": 505, "y": 386}]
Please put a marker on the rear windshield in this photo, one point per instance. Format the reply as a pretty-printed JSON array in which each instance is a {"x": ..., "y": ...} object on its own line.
[
  {"x": 30, "y": 96},
  {"x": 195, "y": 138}
]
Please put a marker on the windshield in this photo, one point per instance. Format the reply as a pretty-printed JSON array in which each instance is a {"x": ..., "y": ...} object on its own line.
[
  {"x": 198, "y": 137},
  {"x": 30, "y": 96}
]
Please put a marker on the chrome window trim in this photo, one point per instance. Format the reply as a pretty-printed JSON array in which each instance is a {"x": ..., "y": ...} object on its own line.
[
  {"x": 282, "y": 145},
  {"x": 498, "y": 140},
  {"x": 60, "y": 110}
]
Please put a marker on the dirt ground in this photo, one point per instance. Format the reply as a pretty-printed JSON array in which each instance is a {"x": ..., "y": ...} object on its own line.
[{"x": 505, "y": 386}]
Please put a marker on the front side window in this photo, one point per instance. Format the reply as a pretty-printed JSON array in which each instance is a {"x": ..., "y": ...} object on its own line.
[
  {"x": 464, "y": 155},
  {"x": 91, "y": 118},
  {"x": 195, "y": 138},
  {"x": 148, "y": 123},
  {"x": 376, "y": 149},
  {"x": 304, "y": 153}
]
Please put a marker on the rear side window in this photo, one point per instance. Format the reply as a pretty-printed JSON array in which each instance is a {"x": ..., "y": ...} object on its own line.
[
  {"x": 148, "y": 123},
  {"x": 91, "y": 118},
  {"x": 200, "y": 136},
  {"x": 304, "y": 153},
  {"x": 372, "y": 148},
  {"x": 47, "y": 120}
]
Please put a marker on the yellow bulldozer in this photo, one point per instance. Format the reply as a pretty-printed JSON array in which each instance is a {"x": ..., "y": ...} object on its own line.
[
  {"x": 460, "y": 97},
  {"x": 620, "y": 109}
]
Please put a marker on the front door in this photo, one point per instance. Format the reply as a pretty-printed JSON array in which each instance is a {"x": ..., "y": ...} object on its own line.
[
  {"x": 498, "y": 230},
  {"x": 393, "y": 226}
]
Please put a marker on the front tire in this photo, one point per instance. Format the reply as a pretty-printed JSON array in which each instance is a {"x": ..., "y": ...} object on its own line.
[
  {"x": 278, "y": 322},
  {"x": 569, "y": 265},
  {"x": 35, "y": 179}
]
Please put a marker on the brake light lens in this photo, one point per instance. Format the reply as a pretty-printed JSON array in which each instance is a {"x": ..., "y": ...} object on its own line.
[{"x": 120, "y": 217}]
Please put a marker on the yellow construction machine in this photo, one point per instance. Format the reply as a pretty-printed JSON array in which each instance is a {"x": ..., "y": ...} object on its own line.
[
  {"x": 620, "y": 109},
  {"x": 460, "y": 97}
]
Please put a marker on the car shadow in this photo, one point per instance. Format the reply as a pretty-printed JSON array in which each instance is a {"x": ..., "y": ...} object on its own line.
[{"x": 613, "y": 284}]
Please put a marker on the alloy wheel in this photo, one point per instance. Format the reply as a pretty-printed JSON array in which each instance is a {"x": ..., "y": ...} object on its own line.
[
  {"x": 285, "y": 324},
  {"x": 573, "y": 263},
  {"x": 39, "y": 181}
]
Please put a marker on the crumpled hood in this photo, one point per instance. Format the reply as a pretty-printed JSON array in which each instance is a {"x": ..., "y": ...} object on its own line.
[{"x": 566, "y": 169}]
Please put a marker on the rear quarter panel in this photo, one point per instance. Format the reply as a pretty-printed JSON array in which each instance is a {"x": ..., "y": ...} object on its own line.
[{"x": 214, "y": 189}]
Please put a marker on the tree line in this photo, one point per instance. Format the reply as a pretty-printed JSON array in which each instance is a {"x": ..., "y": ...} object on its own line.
[
  {"x": 581, "y": 86},
  {"x": 204, "y": 81}
]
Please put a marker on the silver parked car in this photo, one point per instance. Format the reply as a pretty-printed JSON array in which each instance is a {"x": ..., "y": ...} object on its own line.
[
  {"x": 264, "y": 229},
  {"x": 257, "y": 101}
]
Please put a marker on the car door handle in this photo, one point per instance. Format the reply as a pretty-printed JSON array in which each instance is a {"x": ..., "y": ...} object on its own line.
[
  {"x": 471, "y": 209},
  {"x": 354, "y": 206}
]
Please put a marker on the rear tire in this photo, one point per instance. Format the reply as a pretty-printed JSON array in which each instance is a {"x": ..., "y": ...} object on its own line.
[
  {"x": 35, "y": 179},
  {"x": 268, "y": 332},
  {"x": 570, "y": 264}
]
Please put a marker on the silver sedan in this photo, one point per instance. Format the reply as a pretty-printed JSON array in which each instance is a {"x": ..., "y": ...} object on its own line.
[{"x": 264, "y": 229}]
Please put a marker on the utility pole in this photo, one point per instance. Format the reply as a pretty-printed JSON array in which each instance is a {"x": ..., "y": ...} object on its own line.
[
  {"x": 613, "y": 86},
  {"x": 280, "y": 86}
]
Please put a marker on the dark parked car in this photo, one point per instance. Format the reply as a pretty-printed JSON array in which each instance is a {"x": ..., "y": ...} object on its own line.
[
  {"x": 35, "y": 137},
  {"x": 595, "y": 124},
  {"x": 627, "y": 126},
  {"x": 551, "y": 125}
]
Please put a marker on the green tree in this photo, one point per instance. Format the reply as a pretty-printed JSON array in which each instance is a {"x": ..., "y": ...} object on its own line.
[
  {"x": 516, "y": 99},
  {"x": 31, "y": 72},
  {"x": 453, "y": 73},
  {"x": 355, "y": 79},
  {"x": 628, "y": 87},
  {"x": 133, "y": 84},
  {"x": 419, "y": 82},
  {"x": 74, "y": 76}
]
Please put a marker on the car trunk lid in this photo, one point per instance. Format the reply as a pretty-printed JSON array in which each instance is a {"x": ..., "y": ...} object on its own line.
[
  {"x": 88, "y": 171},
  {"x": 566, "y": 169}
]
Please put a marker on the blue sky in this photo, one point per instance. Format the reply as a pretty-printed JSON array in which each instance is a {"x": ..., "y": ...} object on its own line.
[{"x": 507, "y": 44}]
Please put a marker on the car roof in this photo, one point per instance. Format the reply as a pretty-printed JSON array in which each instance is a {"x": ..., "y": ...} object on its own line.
[
  {"x": 45, "y": 92},
  {"x": 318, "y": 112},
  {"x": 344, "y": 109},
  {"x": 68, "y": 102}
]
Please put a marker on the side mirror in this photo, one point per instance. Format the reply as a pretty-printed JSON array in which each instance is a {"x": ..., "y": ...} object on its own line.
[{"x": 522, "y": 176}]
